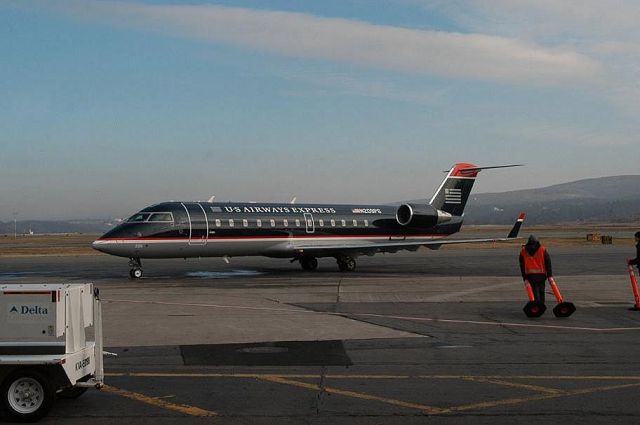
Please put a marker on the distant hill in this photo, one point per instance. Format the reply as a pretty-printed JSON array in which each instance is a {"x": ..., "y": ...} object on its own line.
[
  {"x": 68, "y": 226},
  {"x": 605, "y": 199}
]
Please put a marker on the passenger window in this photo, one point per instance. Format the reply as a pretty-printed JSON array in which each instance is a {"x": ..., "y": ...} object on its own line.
[
  {"x": 297, "y": 223},
  {"x": 245, "y": 223},
  {"x": 333, "y": 223},
  {"x": 366, "y": 223},
  {"x": 344, "y": 223},
  {"x": 231, "y": 223},
  {"x": 218, "y": 223},
  {"x": 355, "y": 223},
  {"x": 285, "y": 222},
  {"x": 273, "y": 223},
  {"x": 259, "y": 222},
  {"x": 321, "y": 223}
]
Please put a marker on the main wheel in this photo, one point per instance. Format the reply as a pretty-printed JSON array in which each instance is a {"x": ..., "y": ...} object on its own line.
[
  {"x": 135, "y": 273},
  {"x": 27, "y": 396},
  {"x": 309, "y": 263},
  {"x": 346, "y": 264}
]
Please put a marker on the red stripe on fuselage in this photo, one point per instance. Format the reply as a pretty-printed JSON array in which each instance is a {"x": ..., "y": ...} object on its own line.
[{"x": 186, "y": 238}]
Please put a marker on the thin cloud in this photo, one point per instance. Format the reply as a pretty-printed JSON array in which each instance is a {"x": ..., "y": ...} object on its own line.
[
  {"x": 606, "y": 31},
  {"x": 573, "y": 19},
  {"x": 449, "y": 54}
]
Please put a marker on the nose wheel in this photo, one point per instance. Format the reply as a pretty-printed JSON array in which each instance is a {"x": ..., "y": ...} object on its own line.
[{"x": 136, "y": 268}]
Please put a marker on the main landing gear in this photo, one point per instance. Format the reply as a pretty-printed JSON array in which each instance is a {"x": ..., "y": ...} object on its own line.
[
  {"x": 346, "y": 263},
  {"x": 309, "y": 263},
  {"x": 136, "y": 268}
]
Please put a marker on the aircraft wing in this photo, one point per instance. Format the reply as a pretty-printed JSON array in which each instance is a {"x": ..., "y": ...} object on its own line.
[{"x": 393, "y": 246}]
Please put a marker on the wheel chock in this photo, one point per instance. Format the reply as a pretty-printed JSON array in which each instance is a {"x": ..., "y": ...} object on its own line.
[
  {"x": 534, "y": 309},
  {"x": 564, "y": 309}
]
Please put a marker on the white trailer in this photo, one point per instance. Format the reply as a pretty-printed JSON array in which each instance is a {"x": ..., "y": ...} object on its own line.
[{"x": 44, "y": 349}]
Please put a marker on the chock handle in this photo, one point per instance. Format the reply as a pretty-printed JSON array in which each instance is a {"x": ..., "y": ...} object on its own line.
[
  {"x": 527, "y": 287},
  {"x": 634, "y": 286},
  {"x": 556, "y": 291}
]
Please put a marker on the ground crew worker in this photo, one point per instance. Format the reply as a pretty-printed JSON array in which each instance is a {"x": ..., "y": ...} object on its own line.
[
  {"x": 636, "y": 261},
  {"x": 535, "y": 266}
]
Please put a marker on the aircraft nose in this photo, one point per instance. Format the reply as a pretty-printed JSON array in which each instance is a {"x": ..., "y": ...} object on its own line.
[{"x": 97, "y": 245}]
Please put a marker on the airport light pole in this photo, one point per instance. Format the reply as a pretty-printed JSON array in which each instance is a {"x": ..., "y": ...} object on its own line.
[{"x": 15, "y": 226}]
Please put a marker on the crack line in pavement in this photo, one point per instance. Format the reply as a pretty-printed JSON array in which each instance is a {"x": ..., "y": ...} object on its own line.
[
  {"x": 363, "y": 396},
  {"x": 350, "y": 316},
  {"x": 322, "y": 392},
  {"x": 548, "y": 393}
]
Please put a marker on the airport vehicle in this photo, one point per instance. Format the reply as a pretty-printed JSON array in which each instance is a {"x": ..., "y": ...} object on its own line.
[
  {"x": 299, "y": 232},
  {"x": 44, "y": 351}
]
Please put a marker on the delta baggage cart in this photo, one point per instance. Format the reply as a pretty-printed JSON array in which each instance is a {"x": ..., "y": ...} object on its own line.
[{"x": 45, "y": 352}]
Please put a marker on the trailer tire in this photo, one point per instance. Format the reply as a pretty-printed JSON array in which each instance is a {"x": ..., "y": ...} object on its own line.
[
  {"x": 27, "y": 395},
  {"x": 71, "y": 393}
]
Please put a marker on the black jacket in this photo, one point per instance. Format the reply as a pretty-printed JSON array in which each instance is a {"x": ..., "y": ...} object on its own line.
[
  {"x": 531, "y": 250},
  {"x": 636, "y": 260}
]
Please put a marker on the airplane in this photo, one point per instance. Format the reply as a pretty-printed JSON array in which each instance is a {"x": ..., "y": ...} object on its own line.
[{"x": 299, "y": 232}]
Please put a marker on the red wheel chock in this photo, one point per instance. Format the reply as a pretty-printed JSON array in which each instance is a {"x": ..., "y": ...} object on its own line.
[
  {"x": 563, "y": 309},
  {"x": 634, "y": 287},
  {"x": 533, "y": 308}
]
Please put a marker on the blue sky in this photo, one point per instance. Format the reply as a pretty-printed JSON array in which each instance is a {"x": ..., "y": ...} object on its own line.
[{"x": 109, "y": 106}]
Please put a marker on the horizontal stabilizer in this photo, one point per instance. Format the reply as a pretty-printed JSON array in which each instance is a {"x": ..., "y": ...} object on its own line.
[{"x": 476, "y": 169}]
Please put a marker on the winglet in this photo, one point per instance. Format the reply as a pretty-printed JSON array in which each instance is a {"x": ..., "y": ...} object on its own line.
[{"x": 516, "y": 227}]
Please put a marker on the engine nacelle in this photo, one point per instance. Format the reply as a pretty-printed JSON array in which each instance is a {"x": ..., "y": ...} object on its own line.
[{"x": 420, "y": 215}]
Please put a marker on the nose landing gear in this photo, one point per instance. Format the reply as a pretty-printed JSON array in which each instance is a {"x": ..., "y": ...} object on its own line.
[{"x": 136, "y": 268}]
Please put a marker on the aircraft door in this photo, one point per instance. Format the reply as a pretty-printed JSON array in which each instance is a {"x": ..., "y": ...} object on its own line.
[
  {"x": 309, "y": 223},
  {"x": 198, "y": 223}
]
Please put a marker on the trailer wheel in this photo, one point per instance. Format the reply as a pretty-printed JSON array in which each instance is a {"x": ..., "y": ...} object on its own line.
[
  {"x": 72, "y": 392},
  {"x": 27, "y": 395}
]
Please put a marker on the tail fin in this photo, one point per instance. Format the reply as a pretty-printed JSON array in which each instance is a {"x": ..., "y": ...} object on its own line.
[
  {"x": 516, "y": 227},
  {"x": 453, "y": 193}
]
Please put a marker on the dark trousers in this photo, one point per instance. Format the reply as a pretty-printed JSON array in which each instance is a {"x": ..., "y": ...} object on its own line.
[{"x": 537, "y": 282}]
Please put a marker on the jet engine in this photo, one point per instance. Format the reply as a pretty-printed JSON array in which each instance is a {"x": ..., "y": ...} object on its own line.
[{"x": 420, "y": 215}]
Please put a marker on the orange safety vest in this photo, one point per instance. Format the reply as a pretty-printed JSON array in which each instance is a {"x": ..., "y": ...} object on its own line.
[{"x": 534, "y": 264}]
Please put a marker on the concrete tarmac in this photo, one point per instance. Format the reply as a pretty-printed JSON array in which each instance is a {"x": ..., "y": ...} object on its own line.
[{"x": 436, "y": 337}]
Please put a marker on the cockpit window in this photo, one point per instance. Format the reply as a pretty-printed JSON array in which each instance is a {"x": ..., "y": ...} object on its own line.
[
  {"x": 161, "y": 218},
  {"x": 139, "y": 217}
]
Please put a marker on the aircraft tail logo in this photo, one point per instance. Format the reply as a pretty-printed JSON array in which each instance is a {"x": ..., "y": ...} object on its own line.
[{"x": 453, "y": 193}]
